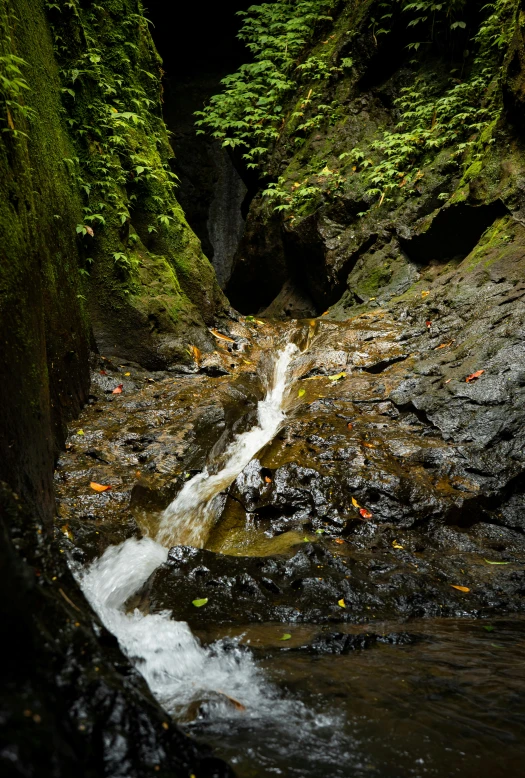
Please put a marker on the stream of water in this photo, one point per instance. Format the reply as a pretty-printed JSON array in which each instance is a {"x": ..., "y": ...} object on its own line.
[
  {"x": 176, "y": 667},
  {"x": 450, "y": 704}
]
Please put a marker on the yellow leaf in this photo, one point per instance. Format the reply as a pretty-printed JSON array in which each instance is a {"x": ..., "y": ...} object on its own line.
[
  {"x": 338, "y": 376},
  {"x": 80, "y": 432},
  {"x": 424, "y": 294},
  {"x": 301, "y": 392},
  {"x": 355, "y": 503},
  {"x": 395, "y": 544},
  {"x": 341, "y": 603},
  {"x": 127, "y": 373},
  {"x": 200, "y": 602},
  {"x": 460, "y": 588}
]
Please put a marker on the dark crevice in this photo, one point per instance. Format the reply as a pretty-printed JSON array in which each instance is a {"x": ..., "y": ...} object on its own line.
[
  {"x": 380, "y": 367},
  {"x": 453, "y": 233}
]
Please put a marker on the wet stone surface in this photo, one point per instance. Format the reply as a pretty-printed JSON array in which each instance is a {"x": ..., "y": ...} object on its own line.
[{"x": 405, "y": 479}]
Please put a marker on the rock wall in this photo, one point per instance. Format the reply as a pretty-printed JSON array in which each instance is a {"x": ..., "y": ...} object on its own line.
[{"x": 71, "y": 703}]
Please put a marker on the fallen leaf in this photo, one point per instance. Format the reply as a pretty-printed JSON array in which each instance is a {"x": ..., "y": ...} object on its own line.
[
  {"x": 489, "y": 628},
  {"x": 306, "y": 540},
  {"x": 220, "y": 336},
  {"x": 103, "y": 372},
  {"x": 395, "y": 544},
  {"x": 350, "y": 425},
  {"x": 99, "y": 487},
  {"x": 448, "y": 380},
  {"x": 324, "y": 314},
  {"x": 429, "y": 324},
  {"x": 301, "y": 392},
  {"x": 365, "y": 514},
  {"x": 267, "y": 480},
  {"x": 444, "y": 345},
  {"x": 340, "y": 541},
  {"x": 474, "y": 376},
  {"x": 118, "y": 389},
  {"x": 319, "y": 531},
  {"x": 126, "y": 374},
  {"x": 355, "y": 503},
  {"x": 200, "y": 603},
  {"x": 341, "y": 603},
  {"x": 338, "y": 376},
  {"x": 80, "y": 432},
  {"x": 367, "y": 445},
  {"x": 460, "y": 588},
  {"x": 195, "y": 353},
  {"x": 424, "y": 294},
  {"x": 259, "y": 321},
  {"x": 489, "y": 562},
  {"x": 286, "y": 636}
]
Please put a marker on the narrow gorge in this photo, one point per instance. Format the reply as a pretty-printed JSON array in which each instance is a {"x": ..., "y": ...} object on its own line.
[{"x": 262, "y": 413}]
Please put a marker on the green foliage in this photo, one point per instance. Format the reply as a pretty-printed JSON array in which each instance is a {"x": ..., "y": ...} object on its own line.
[
  {"x": 13, "y": 84},
  {"x": 112, "y": 107},
  {"x": 433, "y": 116},
  {"x": 249, "y": 113},
  {"x": 433, "y": 112}
]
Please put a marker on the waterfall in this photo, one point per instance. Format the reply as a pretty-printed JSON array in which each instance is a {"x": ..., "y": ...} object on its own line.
[
  {"x": 189, "y": 518},
  {"x": 176, "y": 667}
]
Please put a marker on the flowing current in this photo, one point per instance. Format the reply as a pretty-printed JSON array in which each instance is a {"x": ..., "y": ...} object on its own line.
[{"x": 176, "y": 667}]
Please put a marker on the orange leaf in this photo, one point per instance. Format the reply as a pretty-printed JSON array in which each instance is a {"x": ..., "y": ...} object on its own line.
[
  {"x": 195, "y": 353},
  {"x": 474, "y": 376},
  {"x": 367, "y": 445},
  {"x": 99, "y": 487},
  {"x": 267, "y": 480},
  {"x": 444, "y": 345},
  {"x": 460, "y": 588},
  {"x": 103, "y": 372},
  {"x": 364, "y": 513},
  {"x": 118, "y": 389},
  {"x": 340, "y": 541},
  {"x": 350, "y": 425},
  {"x": 220, "y": 336}
]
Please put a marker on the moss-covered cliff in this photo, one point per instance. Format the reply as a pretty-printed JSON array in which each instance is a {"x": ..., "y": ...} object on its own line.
[
  {"x": 391, "y": 137},
  {"x": 71, "y": 201}
]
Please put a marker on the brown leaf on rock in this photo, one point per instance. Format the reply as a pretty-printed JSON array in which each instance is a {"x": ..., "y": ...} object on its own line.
[
  {"x": 195, "y": 353},
  {"x": 474, "y": 376},
  {"x": 365, "y": 513},
  {"x": 99, "y": 487},
  {"x": 220, "y": 336}
]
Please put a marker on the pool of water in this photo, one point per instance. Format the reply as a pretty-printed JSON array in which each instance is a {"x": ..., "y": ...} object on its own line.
[{"x": 452, "y": 703}]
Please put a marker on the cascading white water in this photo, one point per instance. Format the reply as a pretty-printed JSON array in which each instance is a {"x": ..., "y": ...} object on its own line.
[
  {"x": 176, "y": 667},
  {"x": 188, "y": 520}
]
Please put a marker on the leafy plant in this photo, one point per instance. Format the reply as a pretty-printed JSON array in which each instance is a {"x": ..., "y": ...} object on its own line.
[{"x": 249, "y": 112}]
